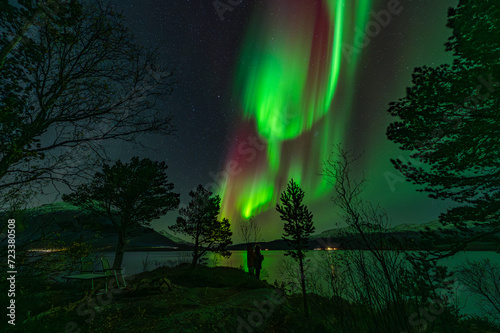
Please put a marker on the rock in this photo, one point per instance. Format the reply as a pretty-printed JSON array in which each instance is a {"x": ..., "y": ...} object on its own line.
[{"x": 165, "y": 285}]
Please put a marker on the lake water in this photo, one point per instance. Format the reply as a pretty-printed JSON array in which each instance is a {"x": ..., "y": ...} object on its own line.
[{"x": 136, "y": 262}]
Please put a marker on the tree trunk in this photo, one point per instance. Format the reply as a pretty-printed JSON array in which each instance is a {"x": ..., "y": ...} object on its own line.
[
  {"x": 195, "y": 254},
  {"x": 120, "y": 249},
  {"x": 196, "y": 251},
  {"x": 7, "y": 48},
  {"x": 303, "y": 284}
]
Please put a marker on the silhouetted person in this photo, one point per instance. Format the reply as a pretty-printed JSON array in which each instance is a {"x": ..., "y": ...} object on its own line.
[
  {"x": 258, "y": 260},
  {"x": 250, "y": 259}
]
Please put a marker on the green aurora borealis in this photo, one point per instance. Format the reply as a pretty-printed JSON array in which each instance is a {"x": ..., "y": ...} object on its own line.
[
  {"x": 296, "y": 80},
  {"x": 287, "y": 87}
]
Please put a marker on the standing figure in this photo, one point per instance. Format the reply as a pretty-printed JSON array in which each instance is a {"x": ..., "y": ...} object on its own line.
[
  {"x": 250, "y": 259},
  {"x": 258, "y": 260}
]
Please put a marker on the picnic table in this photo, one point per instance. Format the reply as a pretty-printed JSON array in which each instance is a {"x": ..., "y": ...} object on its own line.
[
  {"x": 88, "y": 272},
  {"x": 88, "y": 276}
]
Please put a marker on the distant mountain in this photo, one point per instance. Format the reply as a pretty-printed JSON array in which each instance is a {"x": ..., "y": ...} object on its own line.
[
  {"x": 70, "y": 223},
  {"x": 335, "y": 232},
  {"x": 433, "y": 225},
  {"x": 405, "y": 236},
  {"x": 174, "y": 238},
  {"x": 280, "y": 244},
  {"x": 410, "y": 236},
  {"x": 428, "y": 226}
]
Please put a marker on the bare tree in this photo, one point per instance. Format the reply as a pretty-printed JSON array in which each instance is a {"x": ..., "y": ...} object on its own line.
[
  {"x": 250, "y": 231},
  {"x": 373, "y": 275},
  {"x": 482, "y": 279},
  {"x": 21, "y": 16},
  {"x": 74, "y": 80}
]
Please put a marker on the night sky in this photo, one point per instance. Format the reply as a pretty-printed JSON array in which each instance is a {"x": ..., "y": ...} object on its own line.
[{"x": 267, "y": 92}]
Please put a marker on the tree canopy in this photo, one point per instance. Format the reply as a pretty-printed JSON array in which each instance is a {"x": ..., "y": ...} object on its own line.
[
  {"x": 298, "y": 226},
  {"x": 200, "y": 221},
  {"x": 298, "y": 220},
  {"x": 449, "y": 121},
  {"x": 129, "y": 195}
]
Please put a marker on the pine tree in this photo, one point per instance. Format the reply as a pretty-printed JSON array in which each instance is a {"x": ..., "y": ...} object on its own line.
[
  {"x": 449, "y": 122},
  {"x": 129, "y": 195},
  {"x": 200, "y": 221},
  {"x": 298, "y": 225}
]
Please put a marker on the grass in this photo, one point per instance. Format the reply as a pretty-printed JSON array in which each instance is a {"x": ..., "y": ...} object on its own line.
[
  {"x": 206, "y": 299},
  {"x": 203, "y": 292},
  {"x": 203, "y": 276}
]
